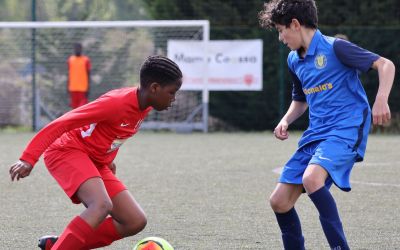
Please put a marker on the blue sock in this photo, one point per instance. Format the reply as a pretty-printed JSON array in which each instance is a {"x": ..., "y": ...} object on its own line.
[
  {"x": 329, "y": 217},
  {"x": 289, "y": 223}
]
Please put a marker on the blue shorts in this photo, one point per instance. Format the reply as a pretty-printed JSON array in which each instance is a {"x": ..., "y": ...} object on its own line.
[{"x": 334, "y": 155}]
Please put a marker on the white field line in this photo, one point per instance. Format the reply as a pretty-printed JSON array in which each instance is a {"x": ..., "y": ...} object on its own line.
[
  {"x": 376, "y": 184},
  {"x": 378, "y": 164}
]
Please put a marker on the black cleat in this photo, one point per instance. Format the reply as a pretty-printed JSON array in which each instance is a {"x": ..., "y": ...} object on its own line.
[{"x": 46, "y": 242}]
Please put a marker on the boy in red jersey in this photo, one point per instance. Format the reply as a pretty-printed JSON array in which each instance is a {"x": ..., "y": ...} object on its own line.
[{"x": 80, "y": 146}]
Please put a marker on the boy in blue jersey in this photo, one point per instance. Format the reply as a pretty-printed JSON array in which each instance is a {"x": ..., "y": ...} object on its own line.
[{"x": 325, "y": 80}]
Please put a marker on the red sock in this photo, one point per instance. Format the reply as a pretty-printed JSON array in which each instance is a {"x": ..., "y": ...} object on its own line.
[
  {"x": 74, "y": 235},
  {"x": 103, "y": 235}
]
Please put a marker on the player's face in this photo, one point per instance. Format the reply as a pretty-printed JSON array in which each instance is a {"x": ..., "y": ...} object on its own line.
[
  {"x": 289, "y": 36},
  {"x": 165, "y": 96}
]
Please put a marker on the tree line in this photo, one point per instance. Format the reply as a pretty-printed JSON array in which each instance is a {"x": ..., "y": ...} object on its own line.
[{"x": 374, "y": 25}]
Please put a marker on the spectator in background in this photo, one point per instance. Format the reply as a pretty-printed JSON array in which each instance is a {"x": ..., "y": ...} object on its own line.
[
  {"x": 78, "y": 77},
  {"x": 342, "y": 36}
]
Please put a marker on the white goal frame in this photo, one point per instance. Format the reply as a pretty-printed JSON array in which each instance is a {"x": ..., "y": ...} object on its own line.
[{"x": 187, "y": 125}]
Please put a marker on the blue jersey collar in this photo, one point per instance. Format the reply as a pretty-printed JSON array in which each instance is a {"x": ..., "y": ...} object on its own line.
[{"x": 313, "y": 45}]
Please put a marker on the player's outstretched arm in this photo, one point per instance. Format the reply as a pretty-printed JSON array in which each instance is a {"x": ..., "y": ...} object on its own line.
[
  {"x": 295, "y": 110},
  {"x": 20, "y": 169},
  {"x": 380, "y": 109}
]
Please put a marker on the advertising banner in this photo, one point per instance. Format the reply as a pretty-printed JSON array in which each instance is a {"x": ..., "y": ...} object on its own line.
[{"x": 226, "y": 64}]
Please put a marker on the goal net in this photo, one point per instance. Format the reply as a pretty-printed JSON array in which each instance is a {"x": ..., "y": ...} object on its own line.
[{"x": 33, "y": 69}]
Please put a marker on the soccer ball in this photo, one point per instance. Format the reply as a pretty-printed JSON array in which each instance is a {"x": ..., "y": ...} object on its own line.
[{"x": 153, "y": 243}]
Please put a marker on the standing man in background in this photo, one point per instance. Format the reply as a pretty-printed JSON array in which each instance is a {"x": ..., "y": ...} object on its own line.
[{"x": 78, "y": 77}]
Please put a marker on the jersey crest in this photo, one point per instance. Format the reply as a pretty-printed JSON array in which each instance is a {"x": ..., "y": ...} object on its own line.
[{"x": 320, "y": 61}]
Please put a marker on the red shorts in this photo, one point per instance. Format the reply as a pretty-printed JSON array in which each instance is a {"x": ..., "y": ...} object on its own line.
[
  {"x": 78, "y": 99},
  {"x": 73, "y": 167}
]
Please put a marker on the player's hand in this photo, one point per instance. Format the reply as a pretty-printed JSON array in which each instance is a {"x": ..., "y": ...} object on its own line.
[
  {"x": 280, "y": 131},
  {"x": 380, "y": 112},
  {"x": 113, "y": 167},
  {"x": 20, "y": 169}
]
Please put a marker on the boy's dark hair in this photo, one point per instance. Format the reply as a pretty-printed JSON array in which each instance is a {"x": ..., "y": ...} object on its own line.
[
  {"x": 159, "y": 69},
  {"x": 283, "y": 11}
]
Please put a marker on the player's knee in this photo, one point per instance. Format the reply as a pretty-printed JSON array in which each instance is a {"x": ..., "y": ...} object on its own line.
[
  {"x": 141, "y": 223},
  {"x": 311, "y": 183},
  {"x": 279, "y": 204},
  {"x": 136, "y": 226},
  {"x": 101, "y": 207}
]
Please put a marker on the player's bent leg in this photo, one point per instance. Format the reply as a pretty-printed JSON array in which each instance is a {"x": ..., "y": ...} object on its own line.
[
  {"x": 127, "y": 219},
  {"x": 94, "y": 195},
  {"x": 105, "y": 234},
  {"x": 128, "y": 213},
  {"x": 284, "y": 197},
  {"x": 314, "y": 182},
  {"x": 282, "y": 201},
  {"x": 314, "y": 178},
  {"x": 98, "y": 204}
]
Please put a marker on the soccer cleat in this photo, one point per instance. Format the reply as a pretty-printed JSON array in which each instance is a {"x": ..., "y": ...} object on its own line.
[{"x": 46, "y": 242}]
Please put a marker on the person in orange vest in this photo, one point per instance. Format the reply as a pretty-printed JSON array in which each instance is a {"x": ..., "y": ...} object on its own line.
[{"x": 78, "y": 77}]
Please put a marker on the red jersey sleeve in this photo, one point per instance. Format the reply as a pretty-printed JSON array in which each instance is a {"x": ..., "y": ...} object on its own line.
[{"x": 101, "y": 109}]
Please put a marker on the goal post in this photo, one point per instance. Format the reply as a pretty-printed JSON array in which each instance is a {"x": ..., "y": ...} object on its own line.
[{"x": 34, "y": 54}]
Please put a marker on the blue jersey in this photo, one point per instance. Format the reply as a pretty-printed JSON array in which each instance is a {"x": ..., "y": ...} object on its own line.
[{"x": 327, "y": 79}]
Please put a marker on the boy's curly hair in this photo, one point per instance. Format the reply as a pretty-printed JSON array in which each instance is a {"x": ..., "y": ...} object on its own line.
[{"x": 283, "y": 11}]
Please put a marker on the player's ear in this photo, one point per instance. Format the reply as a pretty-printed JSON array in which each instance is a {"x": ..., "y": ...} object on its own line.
[
  {"x": 154, "y": 87},
  {"x": 295, "y": 24}
]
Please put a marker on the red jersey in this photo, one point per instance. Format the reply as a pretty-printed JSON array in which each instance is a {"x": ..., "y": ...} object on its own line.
[{"x": 98, "y": 128}]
